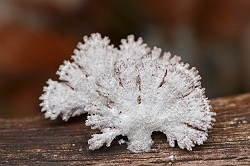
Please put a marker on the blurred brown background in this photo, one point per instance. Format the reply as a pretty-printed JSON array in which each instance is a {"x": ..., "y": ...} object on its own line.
[{"x": 36, "y": 36}]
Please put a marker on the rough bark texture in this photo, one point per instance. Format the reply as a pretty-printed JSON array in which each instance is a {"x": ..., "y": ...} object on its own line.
[{"x": 39, "y": 141}]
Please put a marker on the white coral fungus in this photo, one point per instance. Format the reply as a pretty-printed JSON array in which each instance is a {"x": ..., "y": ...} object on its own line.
[
  {"x": 132, "y": 91},
  {"x": 77, "y": 87}
]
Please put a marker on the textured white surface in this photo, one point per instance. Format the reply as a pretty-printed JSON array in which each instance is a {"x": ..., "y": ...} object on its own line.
[
  {"x": 131, "y": 91},
  {"x": 68, "y": 97},
  {"x": 151, "y": 94},
  {"x": 171, "y": 158}
]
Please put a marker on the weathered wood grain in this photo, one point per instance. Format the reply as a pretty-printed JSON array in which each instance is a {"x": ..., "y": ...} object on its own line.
[{"x": 39, "y": 141}]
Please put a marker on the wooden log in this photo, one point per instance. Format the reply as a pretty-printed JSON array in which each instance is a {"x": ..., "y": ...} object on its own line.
[{"x": 39, "y": 141}]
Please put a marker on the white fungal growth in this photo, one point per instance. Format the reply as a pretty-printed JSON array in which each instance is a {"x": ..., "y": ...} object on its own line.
[
  {"x": 171, "y": 158},
  {"x": 131, "y": 91},
  {"x": 151, "y": 94},
  {"x": 77, "y": 87}
]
